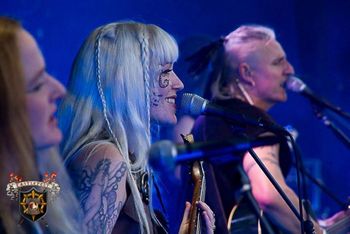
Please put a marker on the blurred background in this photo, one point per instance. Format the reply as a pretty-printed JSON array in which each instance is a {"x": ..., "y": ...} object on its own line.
[{"x": 314, "y": 34}]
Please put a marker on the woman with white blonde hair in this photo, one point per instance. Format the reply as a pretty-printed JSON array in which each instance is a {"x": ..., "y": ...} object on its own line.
[{"x": 121, "y": 89}]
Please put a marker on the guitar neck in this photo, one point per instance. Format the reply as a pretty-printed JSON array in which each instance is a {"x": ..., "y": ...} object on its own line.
[
  {"x": 198, "y": 195},
  {"x": 198, "y": 178}
]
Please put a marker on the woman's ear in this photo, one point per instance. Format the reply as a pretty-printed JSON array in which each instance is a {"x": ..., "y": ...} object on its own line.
[{"x": 245, "y": 74}]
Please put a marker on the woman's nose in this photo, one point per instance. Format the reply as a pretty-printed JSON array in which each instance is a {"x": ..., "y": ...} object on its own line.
[
  {"x": 177, "y": 83},
  {"x": 57, "y": 88}
]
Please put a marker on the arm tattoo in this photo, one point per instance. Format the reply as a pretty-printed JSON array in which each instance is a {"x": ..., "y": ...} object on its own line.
[
  {"x": 97, "y": 190},
  {"x": 272, "y": 160}
]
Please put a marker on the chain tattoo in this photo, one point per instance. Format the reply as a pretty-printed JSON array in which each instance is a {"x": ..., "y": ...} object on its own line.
[{"x": 97, "y": 191}]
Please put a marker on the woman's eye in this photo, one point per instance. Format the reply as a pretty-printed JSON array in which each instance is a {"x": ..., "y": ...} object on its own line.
[
  {"x": 166, "y": 72},
  {"x": 35, "y": 88},
  {"x": 38, "y": 83},
  {"x": 38, "y": 87}
]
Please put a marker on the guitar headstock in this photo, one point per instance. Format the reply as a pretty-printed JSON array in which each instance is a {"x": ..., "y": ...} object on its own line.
[
  {"x": 197, "y": 170},
  {"x": 188, "y": 139}
]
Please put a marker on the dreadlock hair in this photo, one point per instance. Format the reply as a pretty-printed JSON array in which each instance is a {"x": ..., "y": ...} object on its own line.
[{"x": 225, "y": 55}]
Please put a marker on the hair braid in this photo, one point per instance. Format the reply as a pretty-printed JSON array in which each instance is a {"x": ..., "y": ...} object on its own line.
[
  {"x": 99, "y": 83},
  {"x": 132, "y": 183},
  {"x": 146, "y": 78},
  {"x": 145, "y": 60}
]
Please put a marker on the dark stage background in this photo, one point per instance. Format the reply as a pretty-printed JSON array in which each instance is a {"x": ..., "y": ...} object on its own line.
[{"x": 315, "y": 35}]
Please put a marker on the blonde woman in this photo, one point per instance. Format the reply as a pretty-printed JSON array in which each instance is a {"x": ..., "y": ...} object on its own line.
[{"x": 121, "y": 89}]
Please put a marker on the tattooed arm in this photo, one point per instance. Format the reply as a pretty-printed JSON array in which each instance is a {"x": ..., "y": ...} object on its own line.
[
  {"x": 265, "y": 193},
  {"x": 99, "y": 177}
]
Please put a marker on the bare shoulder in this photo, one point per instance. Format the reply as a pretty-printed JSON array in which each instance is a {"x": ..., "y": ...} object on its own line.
[
  {"x": 99, "y": 161},
  {"x": 268, "y": 151},
  {"x": 97, "y": 164},
  {"x": 92, "y": 154},
  {"x": 268, "y": 154}
]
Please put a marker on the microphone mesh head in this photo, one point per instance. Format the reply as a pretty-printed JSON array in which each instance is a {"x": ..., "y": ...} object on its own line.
[
  {"x": 162, "y": 155},
  {"x": 295, "y": 84},
  {"x": 192, "y": 104}
]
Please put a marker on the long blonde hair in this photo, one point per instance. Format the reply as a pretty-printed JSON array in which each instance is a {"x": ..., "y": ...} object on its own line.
[
  {"x": 17, "y": 149},
  {"x": 109, "y": 92}
]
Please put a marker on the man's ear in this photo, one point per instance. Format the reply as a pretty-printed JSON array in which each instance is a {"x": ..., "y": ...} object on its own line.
[{"x": 245, "y": 74}]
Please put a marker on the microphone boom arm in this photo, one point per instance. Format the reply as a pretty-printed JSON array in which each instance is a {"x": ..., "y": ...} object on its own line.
[
  {"x": 328, "y": 123},
  {"x": 325, "y": 104},
  {"x": 214, "y": 148}
]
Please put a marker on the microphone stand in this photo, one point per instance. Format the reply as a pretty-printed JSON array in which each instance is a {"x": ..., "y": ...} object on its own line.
[
  {"x": 247, "y": 191},
  {"x": 302, "y": 191},
  {"x": 303, "y": 223},
  {"x": 318, "y": 183},
  {"x": 324, "y": 189},
  {"x": 328, "y": 123},
  {"x": 325, "y": 104},
  {"x": 318, "y": 107}
]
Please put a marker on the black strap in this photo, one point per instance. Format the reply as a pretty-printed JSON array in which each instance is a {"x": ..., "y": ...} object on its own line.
[{"x": 159, "y": 195}]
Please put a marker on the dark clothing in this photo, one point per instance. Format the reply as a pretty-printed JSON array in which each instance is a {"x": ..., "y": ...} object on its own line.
[
  {"x": 127, "y": 222},
  {"x": 223, "y": 179}
]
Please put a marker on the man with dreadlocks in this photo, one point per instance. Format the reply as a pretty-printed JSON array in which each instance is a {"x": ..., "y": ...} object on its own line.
[{"x": 249, "y": 71}]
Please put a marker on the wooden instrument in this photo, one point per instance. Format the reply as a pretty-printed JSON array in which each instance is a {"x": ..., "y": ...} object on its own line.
[
  {"x": 341, "y": 226},
  {"x": 198, "y": 178}
]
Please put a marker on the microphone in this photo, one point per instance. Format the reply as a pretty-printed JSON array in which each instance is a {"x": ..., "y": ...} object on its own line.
[
  {"x": 165, "y": 154},
  {"x": 195, "y": 105},
  {"x": 297, "y": 85}
]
